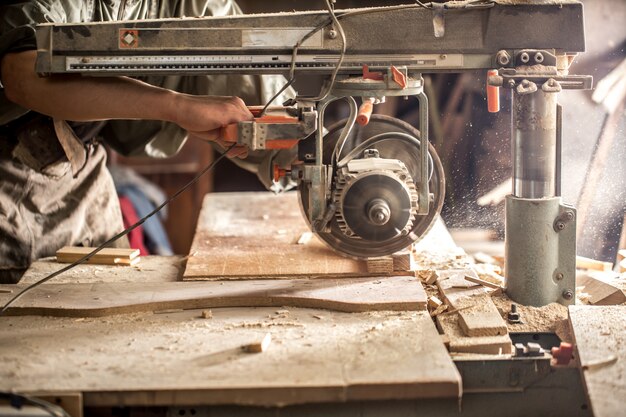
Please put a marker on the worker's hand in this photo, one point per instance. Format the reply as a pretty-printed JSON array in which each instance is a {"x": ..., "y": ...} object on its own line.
[{"x": 204, "y": 117}]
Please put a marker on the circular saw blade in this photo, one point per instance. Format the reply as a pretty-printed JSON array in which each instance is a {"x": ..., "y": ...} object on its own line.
[{"x": 391, "y": 149}]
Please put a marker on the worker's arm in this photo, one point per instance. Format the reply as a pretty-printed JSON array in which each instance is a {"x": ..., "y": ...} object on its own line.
[{"x": 79, "y": 98}]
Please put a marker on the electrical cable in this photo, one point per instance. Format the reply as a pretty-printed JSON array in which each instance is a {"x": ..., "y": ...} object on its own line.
[
  {"x": 119, "y": 235},
  {"x": 17, "y": 401}
]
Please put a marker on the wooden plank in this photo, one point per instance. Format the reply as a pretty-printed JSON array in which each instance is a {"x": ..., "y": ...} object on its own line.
[
  {"x": 588, "y": 263},
  {"x": 600, "y": 340},
  {"x": 600, "y": 292},
  {"x": 481, "y": 317},
  {"x": 94, "y": 300},
  {"x": 180, "y": 359},
  {"x": 151, "y": 269},
  {"x": 461, "y": 343},
  {"x": 254, "y": 235},
  {"x": 106, "y": 256}
]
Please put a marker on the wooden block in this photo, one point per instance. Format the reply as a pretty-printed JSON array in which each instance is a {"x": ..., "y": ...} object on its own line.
[
  {"x": 434, "y": 302},
  {"x": 600, "y": 292},
  {"x": 107, "y": 256},
  {"x": 381, "y": 265},
  {"x": 460, "y": 343},
  {"x": 482, "y": 318},
  {"x": 259, "y": 347},
  {"x": 402, "y": 261},
  {"x": 587, "y": 263},
  {"x": 622, "y": 266}
]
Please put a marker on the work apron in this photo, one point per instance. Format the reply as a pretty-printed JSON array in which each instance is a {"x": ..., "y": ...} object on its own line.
[{"x": 48, "y": 201}]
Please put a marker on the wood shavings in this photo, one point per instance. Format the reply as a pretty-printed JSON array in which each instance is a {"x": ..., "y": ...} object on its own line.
[
  {"x": 600, "y": 363},
  {"x": 428, "y": 276}
]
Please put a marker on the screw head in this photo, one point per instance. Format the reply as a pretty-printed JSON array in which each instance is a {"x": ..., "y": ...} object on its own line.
[
  {"x": 568, "y": 294},
  {"x": 559, "y": 276},
  {"x": 560, "y": 225}
]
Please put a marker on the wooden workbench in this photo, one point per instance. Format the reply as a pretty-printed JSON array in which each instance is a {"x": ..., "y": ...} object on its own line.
[{"x": 179, "y": 358}]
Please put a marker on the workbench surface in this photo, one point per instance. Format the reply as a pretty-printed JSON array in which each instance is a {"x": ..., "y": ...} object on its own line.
[{"x": 181, "y": 358}]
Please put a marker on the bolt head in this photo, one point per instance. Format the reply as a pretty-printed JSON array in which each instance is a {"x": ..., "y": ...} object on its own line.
[
  {"x": 559, "y": 276},
  {"x": 568, "y": 294}
]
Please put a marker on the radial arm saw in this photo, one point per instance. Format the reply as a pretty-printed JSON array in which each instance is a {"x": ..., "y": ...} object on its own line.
[{"x": 371, "y": 185}]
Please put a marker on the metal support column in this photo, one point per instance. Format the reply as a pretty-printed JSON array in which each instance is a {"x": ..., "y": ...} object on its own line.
[{"x": 540, "y": 264}]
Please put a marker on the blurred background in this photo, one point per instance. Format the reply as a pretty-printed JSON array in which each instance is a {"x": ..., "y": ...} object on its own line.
[{"x": 473, "y": 145}]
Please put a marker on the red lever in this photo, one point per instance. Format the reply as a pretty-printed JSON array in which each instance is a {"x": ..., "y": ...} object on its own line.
[
  {"x": 563, "y": 353},
  {"x": 493, "y": 94}
]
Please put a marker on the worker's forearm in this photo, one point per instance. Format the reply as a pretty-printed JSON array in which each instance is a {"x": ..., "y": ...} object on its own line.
[{"x": 81, "y": 98}]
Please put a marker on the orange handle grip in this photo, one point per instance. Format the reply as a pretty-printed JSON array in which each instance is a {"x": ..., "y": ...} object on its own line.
[
  {"x": 493, "y": 94},
  {"x": 365, "y": 112}
]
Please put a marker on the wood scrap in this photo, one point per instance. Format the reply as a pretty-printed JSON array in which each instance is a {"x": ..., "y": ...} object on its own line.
[
  {"x": 439, "y": 310},
  {"x": 592, "y": 264},
  {"x": 305, "y": 238},
  {"x": 600, "y": 292},
  {"x": 478, "y": 316},
  {"x": 482, "y": 318},
  {"x": 621, "y": 257},
  {"x": 427, "y": 276},
  {"x": 107, "y": 256},
  {"x": 206, "y": 314},
  {"x": 460, "y": 343},
  {"x": 259, "y": 347},
  {"x": 483, "y": 258},
  {"x": 380, "y": 265},
  {"x": 402, "y": 261},
  {"x": 482, "y": 282},
  {"x": 434, "y": 302},
  {"x": 490, "y": 273}
]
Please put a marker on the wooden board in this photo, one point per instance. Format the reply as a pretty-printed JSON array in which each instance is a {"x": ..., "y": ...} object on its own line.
[
  {"x": 600, "y": 292},
  {"x": 150, "y": 269},
  {"x": 255, "y": 235},
  {"x": 106, "y": 256},
  {"x": 600, "y": 334},
  {"x": 181, "y": 359},
  {"x": 100, "y": 299},
  {"x": 461, "y": 343}
]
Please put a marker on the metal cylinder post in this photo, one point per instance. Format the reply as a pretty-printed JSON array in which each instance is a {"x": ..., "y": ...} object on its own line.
[
  {"x": 534, "y": 135},
  {"x": 540, "y": 258}
]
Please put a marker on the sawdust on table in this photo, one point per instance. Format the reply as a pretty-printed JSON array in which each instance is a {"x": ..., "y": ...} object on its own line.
[{"x": 551, "y": 318}]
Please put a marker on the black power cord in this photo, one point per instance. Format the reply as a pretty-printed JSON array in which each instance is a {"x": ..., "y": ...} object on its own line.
[
  {"x": 119, "y": 235},
  {"x": 18, "y": 401}
]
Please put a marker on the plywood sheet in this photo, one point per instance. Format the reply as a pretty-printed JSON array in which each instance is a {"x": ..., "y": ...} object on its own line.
[
  {"x": 181, "y": 359},
  {"x": 600, "y": 334},
  {"x": 100, "y": 299},
  {"x": 255, "y": 235}
]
